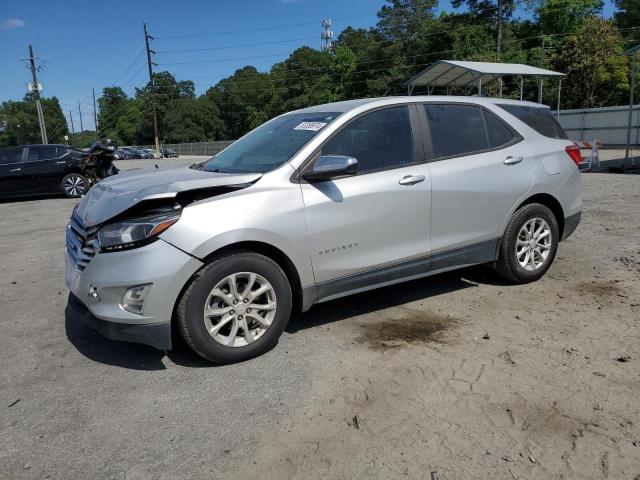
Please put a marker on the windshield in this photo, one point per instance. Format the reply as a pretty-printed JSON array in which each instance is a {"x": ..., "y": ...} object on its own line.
[{"x": 271, "y": 144}]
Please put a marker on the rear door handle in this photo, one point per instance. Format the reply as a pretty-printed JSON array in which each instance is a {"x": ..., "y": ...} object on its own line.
[
  {"x": 511, "y": 160},
  {"x": 15, "y": 170},
  {"x": 411, "y": 179},
  {"x": 60, "y": 162}
]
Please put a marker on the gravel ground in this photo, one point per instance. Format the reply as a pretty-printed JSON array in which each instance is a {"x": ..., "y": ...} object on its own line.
[{"x": 458, "y": 374}]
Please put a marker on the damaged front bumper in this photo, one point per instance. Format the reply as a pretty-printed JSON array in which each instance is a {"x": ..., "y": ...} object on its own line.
[{"x": 98, "y": 290}]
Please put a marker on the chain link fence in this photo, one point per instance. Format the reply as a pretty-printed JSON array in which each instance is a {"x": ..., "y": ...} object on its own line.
[{"x": 195, "y": 148}]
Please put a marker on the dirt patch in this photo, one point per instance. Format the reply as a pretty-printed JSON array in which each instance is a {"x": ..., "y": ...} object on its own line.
[
  {"x": 410, "y": 327},
  {"x": 598, "y": 288}
]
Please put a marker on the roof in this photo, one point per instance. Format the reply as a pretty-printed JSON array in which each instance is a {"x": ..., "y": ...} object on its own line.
[
  {"x": 339, "y": 107},
  {"x": 454, "y": 73},
  {"x": 348, "y": 105}
]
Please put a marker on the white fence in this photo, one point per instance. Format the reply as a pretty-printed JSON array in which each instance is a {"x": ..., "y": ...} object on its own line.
[{"x": 608, "y": 124}]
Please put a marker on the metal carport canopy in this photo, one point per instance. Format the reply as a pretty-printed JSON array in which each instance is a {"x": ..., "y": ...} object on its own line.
[{"x": 455, "y": 73}]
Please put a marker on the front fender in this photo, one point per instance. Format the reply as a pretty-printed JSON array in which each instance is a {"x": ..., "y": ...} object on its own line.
[{"x": 273, "y": 215}]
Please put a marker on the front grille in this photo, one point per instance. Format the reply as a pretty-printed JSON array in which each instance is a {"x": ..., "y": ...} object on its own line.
[{"x": 82, "y": 243}]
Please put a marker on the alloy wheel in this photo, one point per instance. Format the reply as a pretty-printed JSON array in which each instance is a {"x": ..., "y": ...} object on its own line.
[
  {"x": 240, "y": 309},
  {"x": 533, "y": 244},
  {"x": 74, "y": 186}
]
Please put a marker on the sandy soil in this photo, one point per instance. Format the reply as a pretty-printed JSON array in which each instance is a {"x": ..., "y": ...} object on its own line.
[
  {"x": 472, "y": 378},
  {"x": 458, "y": 376}
]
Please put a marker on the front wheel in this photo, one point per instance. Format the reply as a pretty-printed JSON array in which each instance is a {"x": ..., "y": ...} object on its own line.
[
  {"x": 75, "y": 185},
  {"x": 529, "y": 244},
  {"x": 235, "y": 308}
]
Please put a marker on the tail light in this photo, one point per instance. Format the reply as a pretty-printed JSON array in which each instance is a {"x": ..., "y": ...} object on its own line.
[{"x": 574, "y": 152}]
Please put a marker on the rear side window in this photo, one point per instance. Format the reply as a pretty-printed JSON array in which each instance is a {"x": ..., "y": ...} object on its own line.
[
  {"x": 42, "y": 153},
  {"x": 10, "y": 155},
  {"x": 497, "y": 131},
  {"x": 378, "y": 140},
  {"x": 456, "y": 130},
  {"x": 538, "y": 118}
]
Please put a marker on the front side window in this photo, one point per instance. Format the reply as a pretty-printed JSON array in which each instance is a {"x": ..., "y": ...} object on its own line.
[
  {"x": 271, "y": 144},
  {"x": 456, "y": 130},
  {"x": 378, "y": 140}
]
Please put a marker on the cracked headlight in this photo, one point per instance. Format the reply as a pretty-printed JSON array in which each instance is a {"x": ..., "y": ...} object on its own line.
[{"x": 134, "y": 232}]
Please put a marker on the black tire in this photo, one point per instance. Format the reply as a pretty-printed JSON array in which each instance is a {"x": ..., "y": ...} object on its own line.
[
  {"x": 190, "y": 308},
  {"x": 75, "y": 185},
  {"x": 507, "y": 265}
]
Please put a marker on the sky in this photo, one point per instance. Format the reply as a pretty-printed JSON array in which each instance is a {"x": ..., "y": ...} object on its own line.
[{"x": 85, "y": 44}]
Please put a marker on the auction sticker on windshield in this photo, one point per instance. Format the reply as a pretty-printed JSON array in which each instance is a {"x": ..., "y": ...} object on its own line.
[{"x": 312, "y": 126}]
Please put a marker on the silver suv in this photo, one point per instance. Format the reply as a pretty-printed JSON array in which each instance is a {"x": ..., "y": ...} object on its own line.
[{"x": 317, "y": 204}]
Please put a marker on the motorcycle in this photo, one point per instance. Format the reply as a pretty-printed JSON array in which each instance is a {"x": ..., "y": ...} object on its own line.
[{"x": 98, "y": 160}]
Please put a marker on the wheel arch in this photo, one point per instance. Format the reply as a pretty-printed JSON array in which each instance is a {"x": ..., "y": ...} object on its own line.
[
  {"x": 551, "y": 203},
  {"x": 269, "y": 251}
]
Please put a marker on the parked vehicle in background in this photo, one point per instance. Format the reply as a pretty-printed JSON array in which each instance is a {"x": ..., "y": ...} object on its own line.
[
  {"x": 140, "y": 153},
  {"x": 152, "y": 152},
  {"x": 127, "y": 152},
  {"x": 48, "y": 169},
  {"x": 123, "y": 154},
  {"x": 317, "y": 204},
  {"x": 169, "y": 153}
]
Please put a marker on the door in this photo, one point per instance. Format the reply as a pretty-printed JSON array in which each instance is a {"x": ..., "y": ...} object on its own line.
[
  {"x": 10, "y": 168},
  {"x": 44, "y": 168},
  {"x": 480, "y": 168},
  {"x": 380, "y": 216}
]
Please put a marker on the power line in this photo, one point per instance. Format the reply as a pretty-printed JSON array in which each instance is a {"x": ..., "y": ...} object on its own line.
[
  {"x": 244, "y": 45},
  {"x": 135, "y": 60}
]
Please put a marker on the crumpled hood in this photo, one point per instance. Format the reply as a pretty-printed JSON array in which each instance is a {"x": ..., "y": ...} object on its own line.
[{"x": 118, "y": 193}]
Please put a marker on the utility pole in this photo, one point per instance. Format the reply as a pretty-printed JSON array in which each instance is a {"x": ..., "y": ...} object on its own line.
[
  {"x": 73, "y": 131},
  {"x": 540, "y": 80},
  {"x": 95, "y": 117},
  {"x": 629, "y": 120},
  {"x": 36, "y": 90},
  {"x": 80, "y": 113},
  {"x": 148, "y": 37},
  {"x": 499, "y": 41}
]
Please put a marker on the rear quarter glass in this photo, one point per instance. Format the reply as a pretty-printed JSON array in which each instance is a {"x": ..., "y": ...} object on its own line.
[{"x": 538, "y": 118}]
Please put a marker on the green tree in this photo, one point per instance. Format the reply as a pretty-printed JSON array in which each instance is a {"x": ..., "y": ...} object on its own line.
[
  {"x": 628, "y": 17},
  {"x": 597, "y": 70},
  {"x": 22, "y": 125},
  {"x": 564, "y": 16},
  {"x": 166, "y": 91},
  {"x": 192, "y": 120},
  {"x": 111, "y": 107},
  {"x": 239, "y": 97}
]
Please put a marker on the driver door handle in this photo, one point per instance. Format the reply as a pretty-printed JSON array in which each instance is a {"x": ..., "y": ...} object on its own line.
[
  {"x": 15, "y": 170},
  {"x": 411, "y": 179},
  {"x": 511, "y": 160}
]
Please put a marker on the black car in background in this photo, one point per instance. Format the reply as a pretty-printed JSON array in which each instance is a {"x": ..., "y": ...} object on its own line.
[
  {"x": 140, "y": 153},
  {"x": 169, "y": 153},
  {"x": 42, "y": 169}
]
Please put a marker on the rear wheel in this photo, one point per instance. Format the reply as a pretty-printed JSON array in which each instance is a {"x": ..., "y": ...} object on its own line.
[
  {"x": 529, "y": 244},
  {"x": 235, "y": 308},
  {"x": 74, "y": 185}
]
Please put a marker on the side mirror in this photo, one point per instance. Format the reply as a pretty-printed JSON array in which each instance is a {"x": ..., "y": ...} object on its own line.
[{"x": 327, "y": 167}]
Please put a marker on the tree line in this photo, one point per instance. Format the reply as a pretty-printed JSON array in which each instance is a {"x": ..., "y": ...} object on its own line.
[{"x": 570, "y": 36}]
